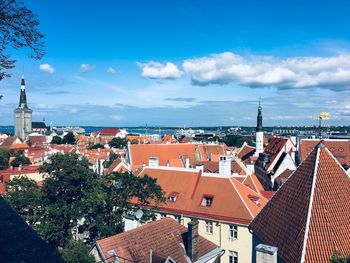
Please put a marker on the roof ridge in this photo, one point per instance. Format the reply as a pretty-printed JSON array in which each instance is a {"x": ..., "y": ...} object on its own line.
[
  {"x": 240, "y": 196},
  {"x": 314, "y": 177}
]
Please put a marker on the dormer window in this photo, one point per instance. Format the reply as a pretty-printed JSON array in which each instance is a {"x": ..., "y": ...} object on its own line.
[
  {"x": 173, "y": 196},
  {"x": 207, "y": 200},
  {"x": 255, "y": 199}
]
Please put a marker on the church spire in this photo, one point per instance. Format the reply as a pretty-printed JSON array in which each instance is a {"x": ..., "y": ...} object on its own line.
[
  {"x": 259, "y": 135},
  {"x": 259, "y": 127},
  {"x": 23, "y": 98}
]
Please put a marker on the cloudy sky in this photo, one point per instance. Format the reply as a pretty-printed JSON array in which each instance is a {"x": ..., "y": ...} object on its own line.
[{"x": 175, "y": 63}]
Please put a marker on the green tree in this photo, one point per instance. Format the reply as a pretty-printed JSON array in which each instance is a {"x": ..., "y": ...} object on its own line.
[
  {"x": 122, "y": 188},
  {"x": 77, "y": 252},
  {"x": 337, "y": 258},
  {"x": 112, "y": 157},
  {"x": 20, "y": 159},
  {"x": 56, "y": 140},
  {"x": 70, "y": 192},
  {"x": 75, "y": 202},
  {"x": 18, "y": 30},
  {"x": 24, "y": 196},
  {"x": 117, "y": 143},
  {"x": 95, "y": 146},
  {"x": 69, "y": 138},
  {"x": 4, "y": 159}
]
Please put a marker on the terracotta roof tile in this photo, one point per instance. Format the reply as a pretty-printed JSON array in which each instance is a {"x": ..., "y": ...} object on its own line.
[
  {"x": 321, "y": 185},
  {"x": 192, "y": 187},
  {"x": 164, "y": 237},
  {"x": 339, "y": 148}
]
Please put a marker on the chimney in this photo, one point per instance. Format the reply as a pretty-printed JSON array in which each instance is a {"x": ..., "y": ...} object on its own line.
[
  {"x": 187, "y": 162},
  {"x": 266, "y": 254},
  {"x": 225, "y": 166},
  {"x": 200, "y": 166},
  {"x": 153, "y": 161},
  {"x": 249, "y": 168},
  {"x": 192, "y": 240}
]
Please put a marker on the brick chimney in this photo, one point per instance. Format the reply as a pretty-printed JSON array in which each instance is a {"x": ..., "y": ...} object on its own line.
[{"x": 192, "y": 240}]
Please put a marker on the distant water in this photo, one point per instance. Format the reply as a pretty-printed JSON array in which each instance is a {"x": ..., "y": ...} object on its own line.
[{"x": 89, "y": 129}]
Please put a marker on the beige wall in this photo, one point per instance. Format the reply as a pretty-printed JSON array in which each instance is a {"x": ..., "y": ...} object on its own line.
[
  {"x": 37, "y": 177},
  {"x": 242, "y": 245}
]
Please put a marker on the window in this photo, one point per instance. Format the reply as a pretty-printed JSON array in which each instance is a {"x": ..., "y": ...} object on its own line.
[
  {"x": 208, "y": 227},
  {"x": 232, "y": 257},
  {"x": 172, "y": 197},
  {"x": 162, "y": 215},
  {"x": 233, "y": 232},
  {"x": 207, "y": 200}
]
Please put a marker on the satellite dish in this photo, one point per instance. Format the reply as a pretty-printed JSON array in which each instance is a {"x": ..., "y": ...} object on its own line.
[{"x": 138, "y": 214}]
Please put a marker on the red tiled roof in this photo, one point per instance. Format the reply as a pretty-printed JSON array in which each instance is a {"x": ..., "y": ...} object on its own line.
[
  {"x": 339, "y": 148},
  {"x": 245, "y": 152},
  {"x": 192, "y": 186},
  {"x": 25, "y": 169},
  {"x": 37, "y": 140},
  {"x": 253, "y": 183},
  {"x": 274, "y": 148},
  {"x": 140, "y": 153},
  {"x": 285, "y": 175},
  {"x": 19, "y": 146},
  {"x": 165, "y": 237},
  {"x": 109, "y": 132},
  {"x": 307, "y": 214},
  {"x": 213, "y": 167},
  {"x": 8, "y": 142}
]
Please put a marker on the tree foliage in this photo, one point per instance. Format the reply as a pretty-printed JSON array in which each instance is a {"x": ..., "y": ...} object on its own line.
[
  {"x": 95, "y": 146},
  {"x": 77, "y": 252},
  {"x": 337, "y": 258},
  {"x": 20, "y": 159},
  {"x": 76, "y": 203},
  {"x": 56, "y": 140},
  {"x": 117, "y": 143},
  {"x": 4, "y": 159},
  {"x": 112, "y": 157},
  {"x": 24, "y": 196},
  {"x": 69, "y": 138},
  {"x": 18, "y": 29}
]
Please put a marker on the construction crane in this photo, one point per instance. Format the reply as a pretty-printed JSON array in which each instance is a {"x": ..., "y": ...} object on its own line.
[{"x": 323, "y": 116}]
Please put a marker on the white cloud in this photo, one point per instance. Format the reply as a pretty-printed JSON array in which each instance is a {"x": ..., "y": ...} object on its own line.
[
  {"x": 111, "y": 70},
  {"x": 117, "y": 117},
  {"x": 85, "y": 68},
  {"x": 156, "y": 70},
  {"x": 297, "y": 72},
  {"x": 46, "y": 68}
]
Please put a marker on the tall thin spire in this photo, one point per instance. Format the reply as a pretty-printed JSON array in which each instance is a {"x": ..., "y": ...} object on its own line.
[
  {"x": 259, "y": 126},
  {"x": 23, "y": 98}
]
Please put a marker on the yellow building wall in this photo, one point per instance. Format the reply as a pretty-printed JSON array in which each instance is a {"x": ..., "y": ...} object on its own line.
[{"x": 242, "y": 245}]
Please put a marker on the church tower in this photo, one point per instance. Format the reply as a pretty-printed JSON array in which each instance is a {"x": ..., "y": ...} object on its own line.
[
  {"x": 259, "y": 136},
  {"x": 23, "y": 114}
]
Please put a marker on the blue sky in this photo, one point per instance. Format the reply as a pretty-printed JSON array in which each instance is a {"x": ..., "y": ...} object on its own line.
[{"x": 130, "y": 63}]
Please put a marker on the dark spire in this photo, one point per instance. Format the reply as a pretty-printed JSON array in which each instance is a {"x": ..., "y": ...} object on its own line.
[
  {"x": 23, "y": 98},
  {"x": 259, "y": 127}
]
